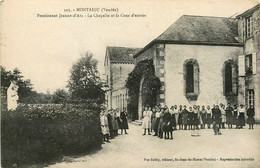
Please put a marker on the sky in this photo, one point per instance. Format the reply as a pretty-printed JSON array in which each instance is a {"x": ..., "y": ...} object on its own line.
[{"x": 44, "y": 49}]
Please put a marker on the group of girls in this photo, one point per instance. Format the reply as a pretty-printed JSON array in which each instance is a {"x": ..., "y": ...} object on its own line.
[
  {"x": 111, "y": 121},
  {"x": 163, "y": 120}
]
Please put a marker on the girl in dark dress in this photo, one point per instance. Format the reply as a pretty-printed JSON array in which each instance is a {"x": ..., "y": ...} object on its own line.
[
  {"x": 109, "y": 118},
  {"x": 123, "y": 117},
  {"x": 174, "y": 124},
  {"x": 251, "y": 114},
  {"x": 180, "y": 118},
  {"x": 229, "y": 114},
  {"x": 167, "y": 124},
  {"x": 185, "y": 117},
  {"x": 195, "y": 117},
  {"x": 203, "y": 116},
  {"x": 190, "y": 118}
]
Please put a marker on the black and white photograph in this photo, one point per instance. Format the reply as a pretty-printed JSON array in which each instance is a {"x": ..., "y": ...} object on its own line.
[{"x": 130, "y": 84}]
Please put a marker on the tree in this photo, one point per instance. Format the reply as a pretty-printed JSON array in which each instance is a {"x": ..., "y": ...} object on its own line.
[
  {"x": 59, "y": 96},
  {"x": 84, "y": 82}
]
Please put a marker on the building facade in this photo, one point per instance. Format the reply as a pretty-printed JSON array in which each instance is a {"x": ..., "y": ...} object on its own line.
[
  {"x": 249, "y": 61},
  {"x": 119, "y": 62},
  {"x": 199, "y": 60},
  {"x": 196, "y": 60}
]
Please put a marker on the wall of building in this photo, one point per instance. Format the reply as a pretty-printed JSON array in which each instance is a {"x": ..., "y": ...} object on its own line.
[
  {"x": 251, "y": 47},
  {"x": 119, "y": 74},
  {"x": 211, "y": 61},
  {"x": 108, "y": 95}
]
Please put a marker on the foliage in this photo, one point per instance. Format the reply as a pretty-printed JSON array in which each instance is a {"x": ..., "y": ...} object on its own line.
[
  {"x": 151, "y": 86},
  {"x": 25, "y": 91},
  {"x": 84, "y": 82},
  {"x": 41, "y": 133},
  {"x": 60, "y": 96}
]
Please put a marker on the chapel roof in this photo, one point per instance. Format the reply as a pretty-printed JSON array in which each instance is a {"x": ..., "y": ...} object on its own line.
[{"x": 190, "y": 29}]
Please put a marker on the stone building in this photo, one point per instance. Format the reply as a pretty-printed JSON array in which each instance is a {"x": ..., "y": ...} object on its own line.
[
  {"x": 199, "y": 60},
  {"x": 196, "y": 60},
  {"x": 119, "y": 62},
  {"x": 249, "y": 35}
]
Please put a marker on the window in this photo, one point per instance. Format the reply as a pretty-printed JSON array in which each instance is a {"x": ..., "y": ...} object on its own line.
[
  {"x": 230, "y": 78},
  {"x": 251, "y": 97},
  {"x": 249, "y": 67},
  {"x": 120, "y": 70},
  {"x": 191, "y": 79},
  {"x": 107, "y": 79},
  {"x": 249, "y": 27}
]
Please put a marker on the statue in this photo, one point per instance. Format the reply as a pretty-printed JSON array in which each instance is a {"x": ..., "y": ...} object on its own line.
[{"x": 12, "y": 96}]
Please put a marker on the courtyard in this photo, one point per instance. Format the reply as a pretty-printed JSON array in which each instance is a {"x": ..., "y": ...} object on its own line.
[{"x": 235, "y": 148}]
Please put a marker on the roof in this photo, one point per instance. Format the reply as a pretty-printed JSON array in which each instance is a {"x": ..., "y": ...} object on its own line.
[
  {"x": 121, "y": 54},
  {"x": 249, "y": 11},
  {"x": 190, "y": 29}
]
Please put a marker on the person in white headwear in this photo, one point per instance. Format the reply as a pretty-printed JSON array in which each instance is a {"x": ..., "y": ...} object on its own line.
[{"x": 12, "y": 96}]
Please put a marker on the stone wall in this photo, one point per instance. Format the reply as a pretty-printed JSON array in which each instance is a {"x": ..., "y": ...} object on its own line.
[
  {"x": 119, "y": 74},
  {"x": 210, "y": 59}
]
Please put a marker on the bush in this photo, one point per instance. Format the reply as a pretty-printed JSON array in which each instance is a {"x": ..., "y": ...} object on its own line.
[{"x": 41, "y": 133}]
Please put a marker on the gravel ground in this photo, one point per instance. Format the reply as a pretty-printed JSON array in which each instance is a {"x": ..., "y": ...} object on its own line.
[{"x": 207, "y": 150}]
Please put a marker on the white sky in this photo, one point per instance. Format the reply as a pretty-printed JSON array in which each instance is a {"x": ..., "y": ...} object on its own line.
[{"x": 44, "y": 49}]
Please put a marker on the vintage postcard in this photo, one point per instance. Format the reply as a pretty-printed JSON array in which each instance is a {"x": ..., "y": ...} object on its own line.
[{"x": 135, "y": 83}]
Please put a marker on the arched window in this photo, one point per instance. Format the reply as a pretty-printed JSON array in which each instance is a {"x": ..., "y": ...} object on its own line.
[
  {"x": 228, "y": 78},
  {"x": 191, "y": 79},
  {"x": 230, "y": 75}
]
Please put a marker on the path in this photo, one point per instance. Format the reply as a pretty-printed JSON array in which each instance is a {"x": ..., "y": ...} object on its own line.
[{"x": 132, "y": 149}]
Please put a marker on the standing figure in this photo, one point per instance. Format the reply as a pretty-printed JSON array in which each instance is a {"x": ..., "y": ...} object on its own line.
[
  {"x": 241, "y": 116},
  {"x": 172, "y": 112},
  {"x": 223, "y": 115},
  {"x": 250, "y": 117},
  {"x": 185, "y": 117},
  {"x": 180, "y": 118},
  {"x": 146, "y": 121},
  {"x": 12, "y": 95},
  {"x": 200, "y": 121},
  {"x": 216, "y": 115},
  {"x": 104, "y": 126},
  {"x": 161, "y": 124},
  {"x": 110, "y": 125},
  {"x": 235, "y": 116},
  {"x": 157, "y": 116},
  {"x": 153, "y": 119},
  {"x": 167, "y": 124},
  {"x": 209, "y": 115},
  {"x": 203, "y": 116},
  {"x": 115, "y": 124},
  {"x": 118, "y": 119},
  {"x": 195, "y": 117},
  {"x": 190, "y": 118},
  {"x": 229, "y": 115},
  {"x": 123, "y": 117}
]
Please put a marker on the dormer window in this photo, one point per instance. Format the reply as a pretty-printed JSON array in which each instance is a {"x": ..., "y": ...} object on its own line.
[{"x": 249, "y": 27}]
